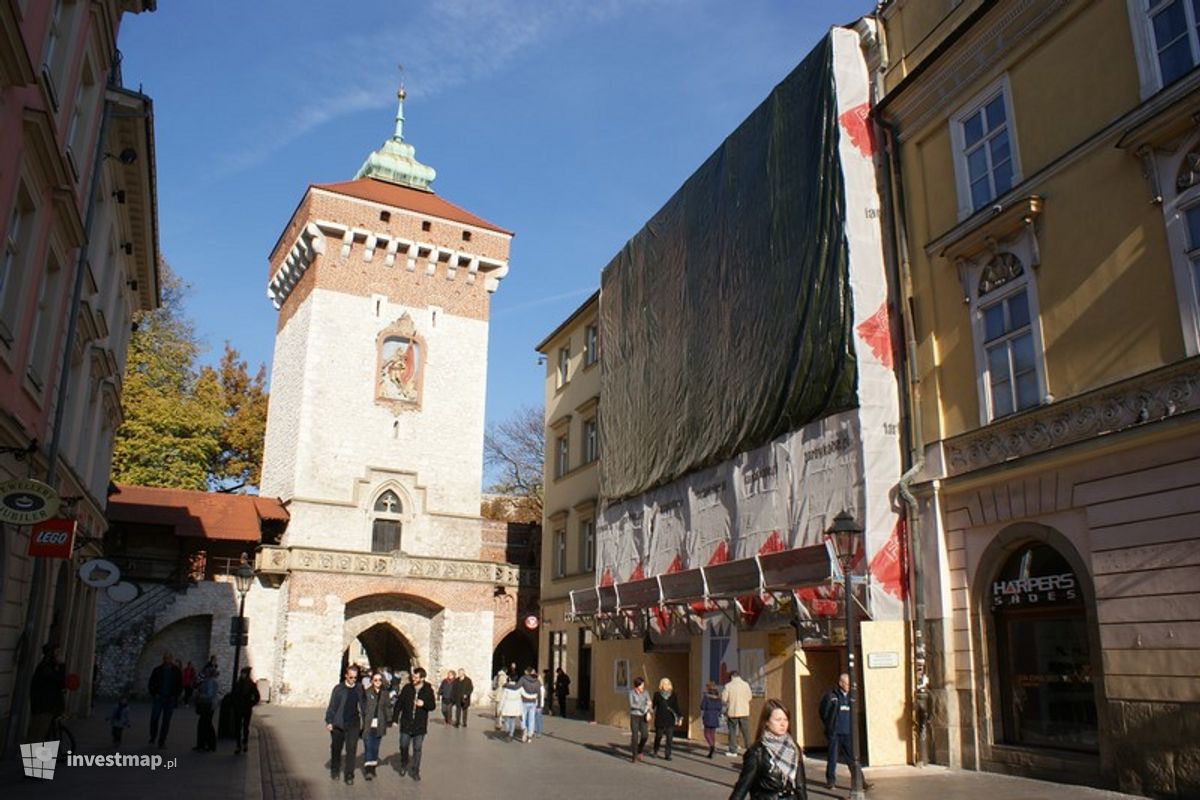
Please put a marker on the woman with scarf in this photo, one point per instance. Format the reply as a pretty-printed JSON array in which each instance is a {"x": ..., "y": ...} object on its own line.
[
  {"x": 773, "y": 768},
  {"x": 375, "y": 712}
]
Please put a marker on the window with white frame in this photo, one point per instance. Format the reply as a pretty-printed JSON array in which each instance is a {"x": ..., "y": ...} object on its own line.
[
  {"x": 1181, "y": 211},
  {"x": 587, "y": 545},
  {"x": 591, "y": 345},
  {"x": 78, "y": 133},
  {"x": 1175, "y": 40},
  {"x": 560, "y": 553},
  {"x": 985, "y": 156},
  {"x": 56, "y": 51},
  {"x": 562, "y": 452},
  {"x": 591, "y": 441},
  {"x": 564, "y": 365},
  {"x": 18, "y": 238},
  {"x": 1008, "y": 344},
  {"x": 44, "y": 331}
]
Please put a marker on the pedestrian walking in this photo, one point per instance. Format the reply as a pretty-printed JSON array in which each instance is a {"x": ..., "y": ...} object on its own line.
[
  {"x": 639, "y": 713},
  {"x": 46, "y": 699},
  {"x": 118, "y": 719},
  {"x": 548, "y": 683},
  {"x": 463, "y": 688},
  {"x": 245, "y": 698},
  {"x": 165, "y": 685},
  {"x": 710, "y": 715},
  {"x": 665, "y": 710},
  {"x": 446, "y": 696},
  {"x": 206, "y": 705},
  {"x": 343, "y": 720},
  {"x": 835, "y": 713},
  {"x": 510, "y": 706},
  {"x": 376, "y": 716},
  {"x": 189, "y": 683},
  {"x": 413, "y": 706},
  {"x": 539, "y": 713},
  {"x": 531, "y": 697},
  {"x": 773, "y": 767},
  {"x": 498, "y": 684},
  {"x": 736, "y": 697},
  {"x": 562, "y": 687},
  {"x": 210, "y": 668}
]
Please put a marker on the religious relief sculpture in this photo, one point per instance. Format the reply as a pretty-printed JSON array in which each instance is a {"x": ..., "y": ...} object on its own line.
[{"x": 401, "y": 365}]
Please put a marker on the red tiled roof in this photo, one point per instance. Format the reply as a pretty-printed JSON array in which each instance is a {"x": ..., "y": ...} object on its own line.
[
  {"x": 391, "y": 194},
  {"x": 206, "y": 515}
]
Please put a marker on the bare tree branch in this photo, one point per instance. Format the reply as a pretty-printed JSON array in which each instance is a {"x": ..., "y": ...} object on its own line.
[{"x": 516, "y": 446}]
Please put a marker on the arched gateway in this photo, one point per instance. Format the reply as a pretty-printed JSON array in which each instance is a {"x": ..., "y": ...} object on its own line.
[{"x": 375, "y": 434}]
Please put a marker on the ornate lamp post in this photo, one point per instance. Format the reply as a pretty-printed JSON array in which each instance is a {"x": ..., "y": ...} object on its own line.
[
  {"x": 846, "y": 536},
  {"x": 243, "y": 577}
]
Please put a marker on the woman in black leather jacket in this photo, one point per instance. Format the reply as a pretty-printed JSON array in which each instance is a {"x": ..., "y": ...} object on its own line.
[{"x": 773, "y": 768}]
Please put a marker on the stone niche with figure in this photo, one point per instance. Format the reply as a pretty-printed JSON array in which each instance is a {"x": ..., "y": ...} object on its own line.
[{"x": 400, "y": 373}]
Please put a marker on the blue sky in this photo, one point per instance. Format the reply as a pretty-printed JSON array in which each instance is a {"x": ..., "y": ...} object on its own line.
[{"x": 569, "y": 122}]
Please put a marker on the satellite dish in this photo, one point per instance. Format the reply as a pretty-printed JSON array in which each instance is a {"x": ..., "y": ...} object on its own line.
[{"x": 122, "y": 592}]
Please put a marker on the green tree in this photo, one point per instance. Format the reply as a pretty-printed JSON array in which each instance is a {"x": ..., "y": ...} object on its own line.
[
  {"x": 173, "y": 417},
  {"x": 238, "y": 462}
]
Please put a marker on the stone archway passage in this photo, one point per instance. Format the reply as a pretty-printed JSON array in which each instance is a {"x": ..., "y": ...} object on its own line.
[
  {"x": 386, "y": 648},
  {"x": 516, "y": 648}
]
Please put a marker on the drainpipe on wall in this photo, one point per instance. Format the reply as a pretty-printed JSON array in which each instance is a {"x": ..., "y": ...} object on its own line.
[{"x": 900, "y": 269}]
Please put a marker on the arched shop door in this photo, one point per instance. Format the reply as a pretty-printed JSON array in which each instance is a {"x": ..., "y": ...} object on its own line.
[{"x": 1046, "y": 694}]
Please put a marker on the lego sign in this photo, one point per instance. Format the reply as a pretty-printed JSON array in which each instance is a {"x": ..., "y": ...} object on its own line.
[{"x": 53, "y": 538}]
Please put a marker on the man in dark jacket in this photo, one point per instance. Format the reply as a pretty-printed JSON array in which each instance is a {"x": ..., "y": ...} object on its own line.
[
  {"x": 245, "y": 698},
  {"x": 343, "y": 721},
  {"x": 562, "y": 687},
  {"x": 412, "y": 711},
  {"x": 166, "y": 684},
  {"x": 835, "y": 713},
  {"x": 46, "y": 699},
  {"x": 463, "y": 687}
]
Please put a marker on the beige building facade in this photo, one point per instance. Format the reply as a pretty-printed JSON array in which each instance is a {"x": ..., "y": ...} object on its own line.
[
  {"x": 1043, "y": 159},
  {"x": 571, "y": 478}
]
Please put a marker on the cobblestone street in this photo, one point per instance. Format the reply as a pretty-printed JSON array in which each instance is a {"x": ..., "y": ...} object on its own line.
[{"x": 289, "y": 758}]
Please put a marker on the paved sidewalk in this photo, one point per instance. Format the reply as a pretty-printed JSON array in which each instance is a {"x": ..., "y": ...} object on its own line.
[
  {"x": 576, "y": 760},
  {"x": 199, "y": 775}
]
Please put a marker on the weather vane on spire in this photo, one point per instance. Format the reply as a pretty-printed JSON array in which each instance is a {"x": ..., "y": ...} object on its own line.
[{"x": 401, "y": 93}]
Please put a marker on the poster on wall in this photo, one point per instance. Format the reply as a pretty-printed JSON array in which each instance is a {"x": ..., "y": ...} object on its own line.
[
  {"x": 720, "y": 650},
  {"x": 753, "y": 668},
  {"x": 621, "y": 675}
]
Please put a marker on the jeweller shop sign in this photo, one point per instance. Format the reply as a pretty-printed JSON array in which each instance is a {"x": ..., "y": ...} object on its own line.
[{"x": 27, "y": 502}]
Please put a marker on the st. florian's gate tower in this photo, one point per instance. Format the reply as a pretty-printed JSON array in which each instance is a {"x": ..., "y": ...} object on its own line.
[{"x": 375, "y": 433}]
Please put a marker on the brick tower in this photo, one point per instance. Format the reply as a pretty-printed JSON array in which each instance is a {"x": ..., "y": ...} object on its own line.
[{"x": 375, "y": 429}]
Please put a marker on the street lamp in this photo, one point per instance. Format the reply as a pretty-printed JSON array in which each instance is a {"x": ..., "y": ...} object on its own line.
[
  {"x": 846, "y": 537},
  {"x": 243, "y": 576}
]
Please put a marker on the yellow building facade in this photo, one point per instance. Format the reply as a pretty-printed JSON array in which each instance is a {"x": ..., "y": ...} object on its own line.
[
  {"x": 1043, "y": 161},
  {"x": 572, "y": 486}
]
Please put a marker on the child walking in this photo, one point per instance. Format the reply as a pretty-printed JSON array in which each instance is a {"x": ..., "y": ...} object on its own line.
[{"x": 119, "y": 719}]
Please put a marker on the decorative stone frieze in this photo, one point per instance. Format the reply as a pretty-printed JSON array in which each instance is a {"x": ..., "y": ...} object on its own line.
[
  {"x": 1142, "y": 400},
  {"x": 280, "y": 561}
]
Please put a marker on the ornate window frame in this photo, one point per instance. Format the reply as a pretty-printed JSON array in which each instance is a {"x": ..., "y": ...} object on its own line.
[
  {"x": 410, "y": 390},
  {"x": 1022, "y": 247},
  {"x": 1145, "y": 48},
  {"x": 1180, "y": 173},
  {"x": 403, "y": 516},
  {"x": 1000, "y": 87}
]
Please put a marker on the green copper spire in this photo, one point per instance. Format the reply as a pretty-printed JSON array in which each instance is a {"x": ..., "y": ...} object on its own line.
[{"x": 396, "y": 161}]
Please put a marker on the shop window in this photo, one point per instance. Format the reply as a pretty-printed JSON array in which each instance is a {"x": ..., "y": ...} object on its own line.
[{"x": 1046, "y": 693}]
